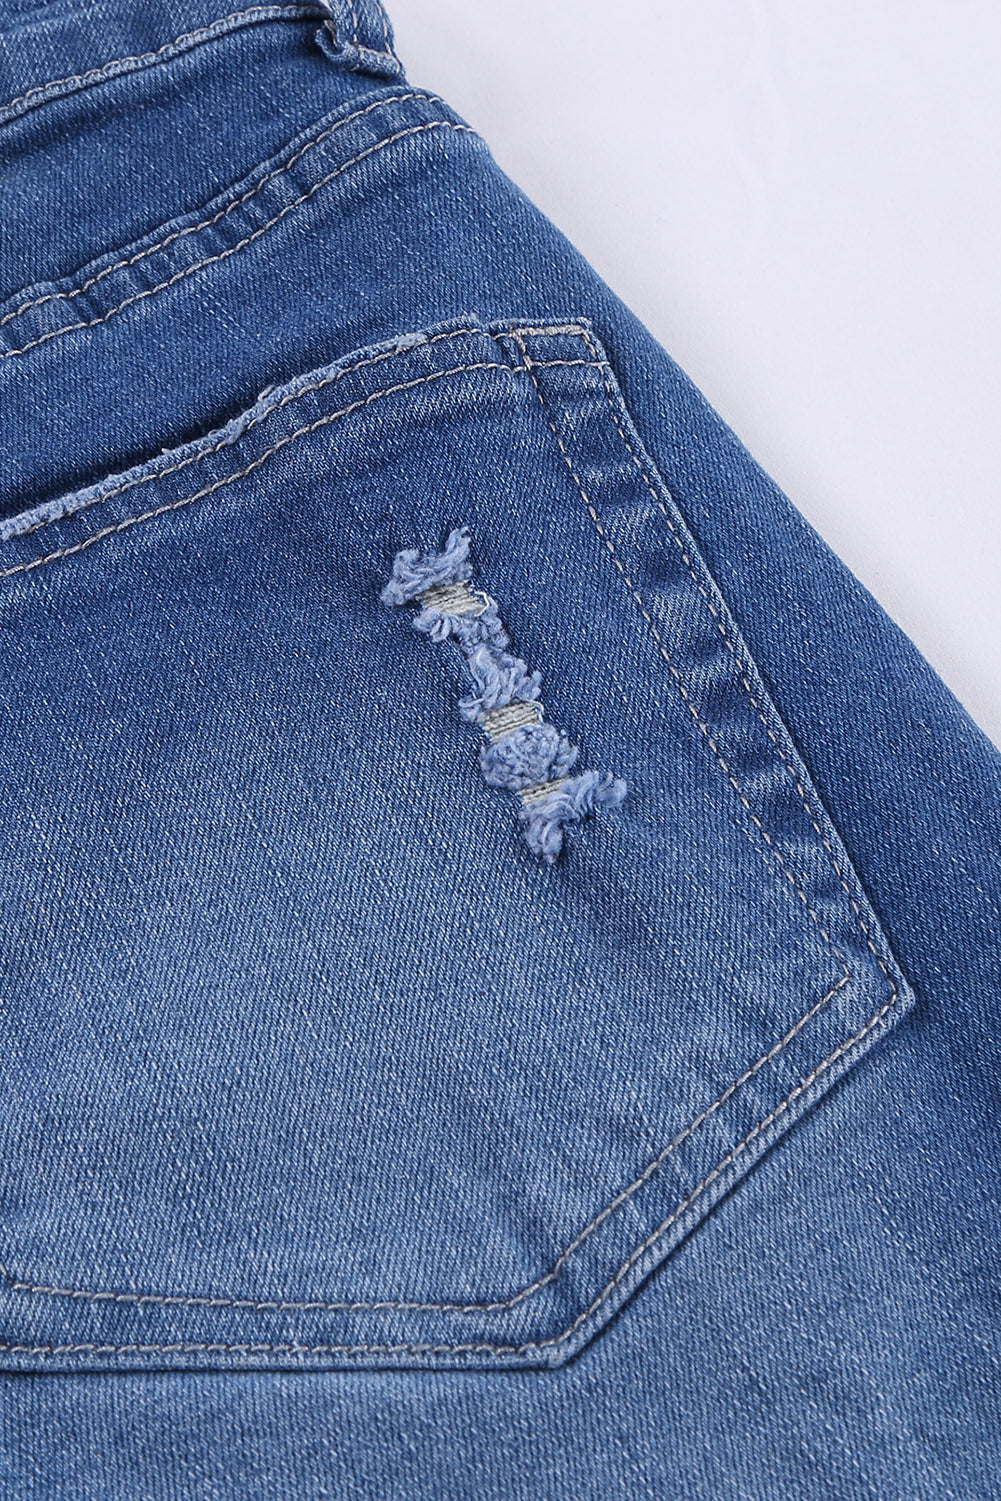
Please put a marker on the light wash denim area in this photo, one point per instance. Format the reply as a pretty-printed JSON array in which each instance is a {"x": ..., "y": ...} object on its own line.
[{"x": 500, "y": 960}]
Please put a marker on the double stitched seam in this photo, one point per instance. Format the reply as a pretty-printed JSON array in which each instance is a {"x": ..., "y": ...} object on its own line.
[
  {"x": 129, "y": 521},
  {"x": 229, "y": 479},
  {"x": 275, "y": 1306},
  {"x": 528, "y": 367},
  {"x": 187, "y": 38},
  {"x": 204, "y": 453},
  {"x": 731, "y": 648},
  {"x": 256, "y": 234},
  {"x": 531, "y": 366},
  {"x": 487, "y": 1348},
  {"x": 229, "y": 208}
]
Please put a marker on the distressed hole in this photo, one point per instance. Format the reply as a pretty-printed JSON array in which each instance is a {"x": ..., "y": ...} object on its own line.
[{"x": 523, "y": 753}]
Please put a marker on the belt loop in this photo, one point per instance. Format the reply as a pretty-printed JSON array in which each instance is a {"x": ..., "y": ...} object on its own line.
[{"x": 358, "y": 36}]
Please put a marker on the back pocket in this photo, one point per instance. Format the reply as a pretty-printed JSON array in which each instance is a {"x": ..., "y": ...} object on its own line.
[{"x": 341, "y": 1025}]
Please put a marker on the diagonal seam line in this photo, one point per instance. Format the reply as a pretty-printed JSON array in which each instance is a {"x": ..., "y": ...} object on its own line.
[
  {"x": 204, "y": 453},
  {"x": 223, "y": 255},
  {"x": 488, "y": 1348},
  {"x": 229, "y": 479},
  {"x": 130, "y": 521},
  {"x": 229, "y": 208},
  {"x": 277, "y": 1306},
  {"x": 296, "y": 395}
]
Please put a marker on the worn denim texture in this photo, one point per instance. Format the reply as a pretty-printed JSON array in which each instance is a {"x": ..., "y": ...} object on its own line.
[{"x": 392, "y": 1107}]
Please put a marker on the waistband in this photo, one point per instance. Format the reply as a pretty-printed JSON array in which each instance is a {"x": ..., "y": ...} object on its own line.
[{"x": 47, "y": 51}]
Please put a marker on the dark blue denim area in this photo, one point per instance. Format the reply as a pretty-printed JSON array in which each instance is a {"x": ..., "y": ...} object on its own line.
[{"x": 357, "y": 1140}]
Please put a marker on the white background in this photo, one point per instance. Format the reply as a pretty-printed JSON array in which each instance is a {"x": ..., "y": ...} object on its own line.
[{"x": 802, "y": 200}]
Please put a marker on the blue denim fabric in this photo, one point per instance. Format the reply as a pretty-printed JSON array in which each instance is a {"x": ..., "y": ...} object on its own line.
[{"x": 392, "y": 1018}]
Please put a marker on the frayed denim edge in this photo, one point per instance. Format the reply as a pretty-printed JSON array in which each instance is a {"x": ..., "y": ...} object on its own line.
[{"x": 524, "y": 753}]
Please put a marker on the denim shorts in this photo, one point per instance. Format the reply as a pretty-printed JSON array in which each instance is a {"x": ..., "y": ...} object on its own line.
[{"x": 500, "y": 989}]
